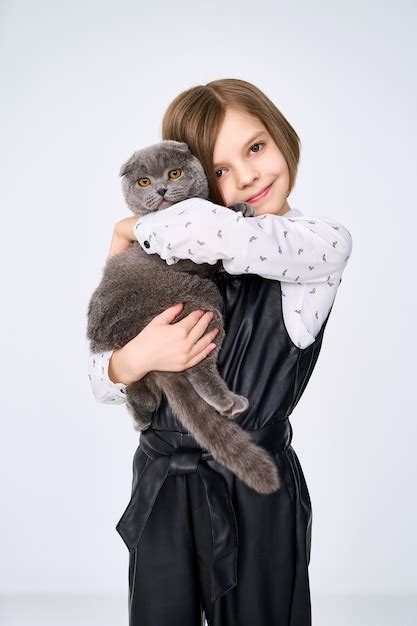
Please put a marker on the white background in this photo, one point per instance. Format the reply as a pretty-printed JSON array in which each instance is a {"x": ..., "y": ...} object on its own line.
[{"x": 84, "y": 84}]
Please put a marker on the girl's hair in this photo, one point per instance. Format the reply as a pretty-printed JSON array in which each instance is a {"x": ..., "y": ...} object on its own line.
[{"x": 196, "y": 115}]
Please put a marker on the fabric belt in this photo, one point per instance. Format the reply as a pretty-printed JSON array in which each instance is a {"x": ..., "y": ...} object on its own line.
[{"x": 174, "y": 453}]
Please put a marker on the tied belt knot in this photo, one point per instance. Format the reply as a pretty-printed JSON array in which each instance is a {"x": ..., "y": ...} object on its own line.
[{"x": 177, "y": 454}]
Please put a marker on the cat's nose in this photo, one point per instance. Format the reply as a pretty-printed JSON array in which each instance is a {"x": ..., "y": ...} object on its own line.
[{"x": 162, "y": 192}]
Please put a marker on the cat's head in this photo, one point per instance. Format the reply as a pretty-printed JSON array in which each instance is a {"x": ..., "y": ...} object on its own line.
[{"x": 160, "y": 175}]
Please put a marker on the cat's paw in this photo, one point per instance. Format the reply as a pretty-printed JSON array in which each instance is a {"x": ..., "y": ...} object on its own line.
[
  {"x": 141, "y": 424},
  {"x": 245, "y": 208},
  {"x": 238, "y": 405}
]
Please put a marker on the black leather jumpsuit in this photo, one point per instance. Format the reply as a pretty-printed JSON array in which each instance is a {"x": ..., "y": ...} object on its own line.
[{"x": 201, "y": 542}]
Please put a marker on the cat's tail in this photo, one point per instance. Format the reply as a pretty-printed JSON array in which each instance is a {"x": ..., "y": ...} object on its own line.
[{"x": 229, "y": 444}]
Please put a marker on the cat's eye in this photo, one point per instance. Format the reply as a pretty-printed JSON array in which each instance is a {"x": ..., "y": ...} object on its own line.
[
  {"x": 174, "y": 174},
  {"x": 144, "y": 182}
]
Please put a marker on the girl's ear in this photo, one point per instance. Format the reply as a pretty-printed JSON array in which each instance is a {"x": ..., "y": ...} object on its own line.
[{"x": 128, "y": 166}]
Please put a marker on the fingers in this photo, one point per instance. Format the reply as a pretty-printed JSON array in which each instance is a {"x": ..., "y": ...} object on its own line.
[
  {"x": 117, "y": 245},
  {"x": 201, "y": 343},
  {"x": 200, "y": 326},
  {"x": 200, "y": 356},
  {"x": 202, "y": 347},
  {"x": 123, "y": 235},
  {"x": 169, "y": 314},
  {"x": 190, "y": 320}
]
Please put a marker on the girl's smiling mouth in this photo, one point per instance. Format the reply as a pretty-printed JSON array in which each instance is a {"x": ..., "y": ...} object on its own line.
[{"x": 262, "y": 194}]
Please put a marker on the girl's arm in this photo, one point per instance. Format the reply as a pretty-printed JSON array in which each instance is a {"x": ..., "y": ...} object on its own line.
[
  {"x": 104, "y": 389},
  {"x": 305, "y": 307},
  {"x": 297, "y": 250},
  {"x": 164, "y": 344},
  {"x": 307, "y": 254}
]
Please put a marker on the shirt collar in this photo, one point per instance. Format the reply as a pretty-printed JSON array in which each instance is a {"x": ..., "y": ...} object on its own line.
[{"x": 292, "y": 213}]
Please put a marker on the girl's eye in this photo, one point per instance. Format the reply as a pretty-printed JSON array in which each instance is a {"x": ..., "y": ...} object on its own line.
[
  {"x": 144, "y": 182},
  {"x": 260, "y": 143},
  {"x": 174, "y": 174}
]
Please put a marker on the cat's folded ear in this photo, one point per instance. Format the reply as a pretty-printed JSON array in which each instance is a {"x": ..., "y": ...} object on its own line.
[
  {"x": 127, "y": 167},
  {"x": 179, "y": 145}
]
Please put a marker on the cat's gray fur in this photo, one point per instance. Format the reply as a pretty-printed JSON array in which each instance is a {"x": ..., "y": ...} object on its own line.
[{"x": 137, "y": 286}]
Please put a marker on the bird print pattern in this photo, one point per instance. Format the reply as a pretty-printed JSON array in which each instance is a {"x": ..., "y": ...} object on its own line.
[{"x": 309, "y": 263}]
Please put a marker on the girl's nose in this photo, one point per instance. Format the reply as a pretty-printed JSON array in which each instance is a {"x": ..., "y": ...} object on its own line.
[{"x": 245, "y": 176}]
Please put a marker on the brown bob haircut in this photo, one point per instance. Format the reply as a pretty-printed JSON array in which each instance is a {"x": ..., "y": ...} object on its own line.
[{"x": 196, "y": 115}]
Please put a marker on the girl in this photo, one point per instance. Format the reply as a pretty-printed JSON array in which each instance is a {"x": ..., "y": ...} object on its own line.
[{"x": 200, "y": 540}]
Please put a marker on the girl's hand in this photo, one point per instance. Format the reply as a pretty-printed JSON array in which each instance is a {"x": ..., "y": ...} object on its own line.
[
  {"x": 123, "y": 235},
  {"x": 164, "y": 346}
]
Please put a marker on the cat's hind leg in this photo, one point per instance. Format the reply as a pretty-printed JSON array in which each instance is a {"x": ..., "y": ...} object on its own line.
[{"x": 210, "y": 386}]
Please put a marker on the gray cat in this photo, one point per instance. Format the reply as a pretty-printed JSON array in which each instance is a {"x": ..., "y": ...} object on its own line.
[{"x": 136, "y": 287}]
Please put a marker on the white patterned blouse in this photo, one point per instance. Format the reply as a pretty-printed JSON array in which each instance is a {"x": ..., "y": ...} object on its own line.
[{"x": 307, "y": 254}]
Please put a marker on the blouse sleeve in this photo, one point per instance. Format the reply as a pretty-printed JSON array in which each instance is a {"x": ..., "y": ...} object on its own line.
[
  {"x": 104, "y": 389},
  {"x": 307, "y": 254},
  {"x": 297, "y": 250}
]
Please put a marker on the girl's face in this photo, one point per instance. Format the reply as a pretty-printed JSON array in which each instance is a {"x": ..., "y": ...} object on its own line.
[{"x": 247, "y": 161}]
